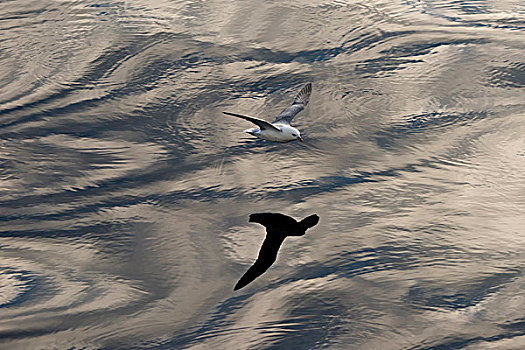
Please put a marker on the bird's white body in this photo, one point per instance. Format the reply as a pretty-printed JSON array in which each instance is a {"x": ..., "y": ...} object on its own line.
[{"x": 287, "y": 133}]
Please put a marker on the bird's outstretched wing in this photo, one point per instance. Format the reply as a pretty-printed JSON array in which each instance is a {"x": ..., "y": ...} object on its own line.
[
  {"x": 262, "y": 124},
  {"x": 298, "y": 104},
  {"x": 266, "y": 258},
  {"x": 275, "y": 222}
]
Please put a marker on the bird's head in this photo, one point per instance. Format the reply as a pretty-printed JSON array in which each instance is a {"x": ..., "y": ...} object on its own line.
[{"x": 295, "y": 134}]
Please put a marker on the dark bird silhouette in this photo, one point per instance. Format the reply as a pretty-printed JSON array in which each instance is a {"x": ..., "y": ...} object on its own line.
[{"x": 278, "y": 227}]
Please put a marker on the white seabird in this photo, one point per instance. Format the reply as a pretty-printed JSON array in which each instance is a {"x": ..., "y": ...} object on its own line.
[{"x": 280, "y": 129}]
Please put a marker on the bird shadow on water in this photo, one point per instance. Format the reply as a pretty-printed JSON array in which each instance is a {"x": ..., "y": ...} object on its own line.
[{"x": 278, "y": 227}]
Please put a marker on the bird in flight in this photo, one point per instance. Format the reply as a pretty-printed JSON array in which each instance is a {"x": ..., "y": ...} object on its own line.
[
  {"x": 280, "y": 129},
  {"x": 278, "y": 227}
]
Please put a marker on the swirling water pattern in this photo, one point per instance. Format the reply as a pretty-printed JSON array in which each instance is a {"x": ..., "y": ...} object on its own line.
[{"x": 125, "y": 192}]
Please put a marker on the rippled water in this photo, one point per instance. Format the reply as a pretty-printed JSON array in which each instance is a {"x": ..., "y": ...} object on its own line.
[{"x": 125, "y": 193}]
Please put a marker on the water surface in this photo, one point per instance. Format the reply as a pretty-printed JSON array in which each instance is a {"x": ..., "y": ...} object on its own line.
[{"x": 125, "y": 192}]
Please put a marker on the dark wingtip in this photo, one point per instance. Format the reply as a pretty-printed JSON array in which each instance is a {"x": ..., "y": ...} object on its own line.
[
  {"x": 309, "y": 221},
  {"x": 304, "y": 95},
  {"x": 308, "y": 86},
  {"x": 241, "y": 284}
]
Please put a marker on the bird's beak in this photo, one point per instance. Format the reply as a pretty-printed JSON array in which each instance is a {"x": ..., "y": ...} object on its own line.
[{"x": 300, "y": 138}]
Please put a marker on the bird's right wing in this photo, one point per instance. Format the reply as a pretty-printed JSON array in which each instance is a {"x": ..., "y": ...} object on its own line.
[
  {"x": 266, "y": 258},
  {"x": 262, "y": 124}
]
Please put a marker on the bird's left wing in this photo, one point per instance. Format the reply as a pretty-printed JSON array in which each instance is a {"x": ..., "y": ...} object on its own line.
[
  {"x": 300, "y": 101},
  {"x": 263, "y": 124}
]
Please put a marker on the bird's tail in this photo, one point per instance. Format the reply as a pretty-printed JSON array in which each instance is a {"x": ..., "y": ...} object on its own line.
[
  {"x": 303, "y": 96},
  {"x": 309, "y": 221}
]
